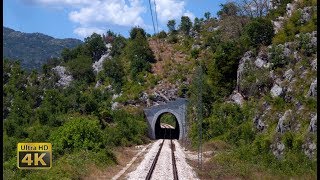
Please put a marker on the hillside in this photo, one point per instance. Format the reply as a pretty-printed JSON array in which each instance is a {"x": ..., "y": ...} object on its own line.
[
  {"x": 250, "y": 78},
  {"x": 33, "y": 49}
]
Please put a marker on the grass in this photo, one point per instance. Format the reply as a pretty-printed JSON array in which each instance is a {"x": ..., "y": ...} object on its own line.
[
  {"x": 69, "y": 166},
  {"x": 243, "y": 163}
]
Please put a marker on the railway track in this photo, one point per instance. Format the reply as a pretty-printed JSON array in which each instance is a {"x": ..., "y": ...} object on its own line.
[{"x": 154, "y": 163}]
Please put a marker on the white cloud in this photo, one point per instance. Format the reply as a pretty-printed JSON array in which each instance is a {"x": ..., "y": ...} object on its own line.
[
  {"x": 63, "y": 2},
  {"x": 87, "y": 31},
  {"x": 88, "y": 15},
  {"x": 190, "y": 15},
  {"x": 110, "y": 11},
  {"x": 169, "y": 9}
]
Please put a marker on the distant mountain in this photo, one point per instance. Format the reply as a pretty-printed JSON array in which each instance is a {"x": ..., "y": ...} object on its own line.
[{"x": 33, "y": 49}]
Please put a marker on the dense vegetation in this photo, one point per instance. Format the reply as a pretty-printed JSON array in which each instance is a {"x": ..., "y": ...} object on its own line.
[
  {"x": 33, "y": 49},
  {"x": 80, "y": 119},
  {"x": 229, "y": 130}
]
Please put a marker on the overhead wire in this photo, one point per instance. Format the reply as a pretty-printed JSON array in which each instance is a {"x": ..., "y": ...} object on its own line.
[{"x": 153, "y": 23}]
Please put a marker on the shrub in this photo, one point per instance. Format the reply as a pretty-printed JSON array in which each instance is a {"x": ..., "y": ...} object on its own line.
[
  {"x": 255, "y": 81},
  {"x": 173, "y": 39},
  {"x": 115, "y": 71},
  {"x": 278, "y": 59},
  {"x": 306, "y": 45},
  {"x": 195, "y": 53},
  {"x": 260, "y": 31},
  {"x": 81, "y": 69},
  {"x": 162, "y": 34},
  {"x": 78, "y": 133},
  {"x": 130, "y": 129}
]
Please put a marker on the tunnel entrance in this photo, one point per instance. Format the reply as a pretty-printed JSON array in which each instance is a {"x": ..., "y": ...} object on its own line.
[{"x": 167, "y": 127}]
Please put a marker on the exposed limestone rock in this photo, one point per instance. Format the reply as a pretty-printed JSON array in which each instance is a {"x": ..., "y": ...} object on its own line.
[
  {"x": 98, "y": 84},
  {"x": 247, "y": 57},
  {"x": 115, "y": 105},
  {"x": 284, "y": 122},
  {"x": 65, "y": 79},
  {"x": 259, "y": 62},
  {"x": 211, "y": 29},
  {"x": 278, "y": 24},
  {"x": 313, "y": 42},
  {"x": 98, "y": 65},
  {"x": 278, "y": 149},
  {"x": 109, "y": 46},
  {"x": 314, "y": 64},
  {"x": 276, "y": 90},
  {"x": 237, "y": 98},
  {"x": 258, "y": 123},
  {"x": 286, "y": 52},
  {"x": 313, "y": 89},
  {"x": 309, "y": 148},
  {"x": 313, "y": 124},
  {"x": 290, "y": 8},
  {"x": 291, "y": 85},
  {"x": 115, "y": 96},
  {"x": 272, "y": 75},
  {"x": 296, "y": 56},
  {"x": 289, "y": 74},
  {"x": 195, "y": 46},
  {"x": 306, "y": 14}
]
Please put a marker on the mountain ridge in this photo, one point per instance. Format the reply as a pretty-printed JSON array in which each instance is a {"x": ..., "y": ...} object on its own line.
[{"x": 33, "y": 49}]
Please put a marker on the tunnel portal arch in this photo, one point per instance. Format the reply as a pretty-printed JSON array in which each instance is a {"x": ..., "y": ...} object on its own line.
[{"x": 177, "y": 108}]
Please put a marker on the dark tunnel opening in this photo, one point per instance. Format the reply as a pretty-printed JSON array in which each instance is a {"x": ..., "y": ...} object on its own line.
[{"x": 167, "y": 127}]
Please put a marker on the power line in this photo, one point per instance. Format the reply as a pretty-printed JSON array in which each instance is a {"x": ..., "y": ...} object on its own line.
[
  {"x": 155, "y": 9},
  {"x": 154, "y": 29}
]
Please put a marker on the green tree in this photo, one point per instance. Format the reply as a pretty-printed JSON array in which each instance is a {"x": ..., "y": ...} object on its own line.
[
  {"x": 185, "y": 25},
  {"x": 139, "y": 53},
  {"x": 78, "y": 133},
  {"x": 137, "y": 30},
  {"x": 118, "y": 45},
  {"x": 171, "y": 25},
  {"x": 81, "y": 69},
  {"x": 95, "y": 46},
  {"x": 228, "y": 9},
  {"x": 260, "y": 31},
  {"x": 207, "y": 15},
  {"x": 162, "y": 34},
  {"x": 222, "y": 70},
  {"x": 197, "y": 24},
  {"x": 114, "y": 70}
]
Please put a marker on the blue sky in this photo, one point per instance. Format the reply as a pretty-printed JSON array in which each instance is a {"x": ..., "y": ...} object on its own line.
[{"x": 79, "y": 18}]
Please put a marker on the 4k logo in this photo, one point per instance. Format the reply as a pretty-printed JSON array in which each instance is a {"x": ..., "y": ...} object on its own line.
[{"x": 34, "y": 155}]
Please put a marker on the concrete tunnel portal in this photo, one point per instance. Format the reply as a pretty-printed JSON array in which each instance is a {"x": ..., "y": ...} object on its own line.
[
  {"x": 166, "y": 131},
  {"x": 153, "y": 115}
]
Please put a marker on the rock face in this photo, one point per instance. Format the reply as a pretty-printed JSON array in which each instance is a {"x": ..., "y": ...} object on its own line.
[
  {"x": 278, "y": 149},
  {"x": 259, "y": 62},
  {"x": 98, "y": 65},
  {"x": 309, "y": 148},
  {"x": 314, "y": 64},
  {"x": 313, "y": 124},
  {"x": 247, "y": 57},
  {"x": 65, "y": 79},
  {"x": 306, "y": 14},
  {"x": 278, "y": 24},
  {"x": 258, "y": 123},
  {"x": 290, "y": 7},
  {"x": 276, "y": 90},
  {"x": 237, "y": 98},
  {"x": 289, "y": 74},
  {"x": 313, "y": 89},
  {"x": 284, "y": 122}
]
